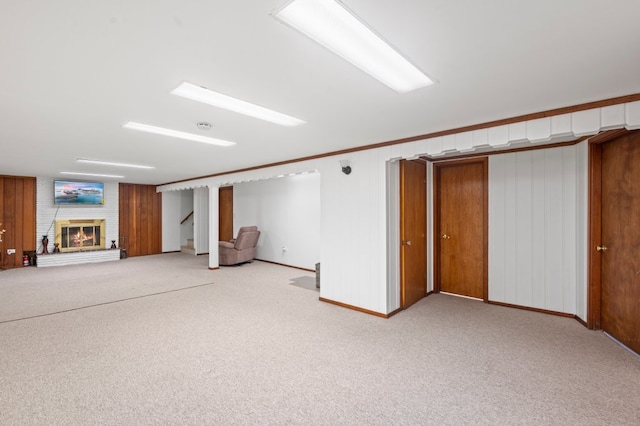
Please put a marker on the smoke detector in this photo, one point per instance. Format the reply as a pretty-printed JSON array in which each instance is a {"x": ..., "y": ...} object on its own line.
[{"x": 203, "y": 125}]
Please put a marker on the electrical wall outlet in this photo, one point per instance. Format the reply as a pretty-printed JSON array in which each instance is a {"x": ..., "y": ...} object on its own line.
[{"x": 11, "y": 251}]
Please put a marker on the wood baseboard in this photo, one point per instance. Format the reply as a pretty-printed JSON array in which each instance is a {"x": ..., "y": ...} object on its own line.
[
  {"x": 288, "y": 266},
  {"x": 366, "y": 311},
  {"x": 392, "y": 313},
  {"x": 527, "y": 308},
  {"x": 356, "y": 308},
  {"x": 581, "y": 321}
]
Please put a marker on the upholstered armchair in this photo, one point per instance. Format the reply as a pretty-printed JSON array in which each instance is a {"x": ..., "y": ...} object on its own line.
[{"x": 241, "y": 249}]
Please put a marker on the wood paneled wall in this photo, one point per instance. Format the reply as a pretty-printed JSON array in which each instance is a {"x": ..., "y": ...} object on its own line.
[
  {"x": 353, "y": 224},
  {"x": 536, "y": 223},
  {"x": 18, "y": 218},
  {"x": 140, "y": 219}
]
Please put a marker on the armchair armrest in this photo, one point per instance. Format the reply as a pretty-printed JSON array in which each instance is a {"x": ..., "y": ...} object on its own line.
[{"x": 226, "y": 244}]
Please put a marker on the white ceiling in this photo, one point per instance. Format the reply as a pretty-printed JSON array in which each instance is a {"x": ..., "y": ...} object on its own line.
[{"x": 74, "y": 71}]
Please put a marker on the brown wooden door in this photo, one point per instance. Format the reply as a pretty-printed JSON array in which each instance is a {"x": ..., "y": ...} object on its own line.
[
  {"x": 225, "y": 213},
  {"x": 461, "y": 227},
  {"x": 620, "y": 263},
  {"x": 140, "y": 219},
  {"x": 413, "y": 227}
]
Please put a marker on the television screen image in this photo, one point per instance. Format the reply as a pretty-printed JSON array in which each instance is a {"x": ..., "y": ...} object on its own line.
[{"x": 80, "y": 193}]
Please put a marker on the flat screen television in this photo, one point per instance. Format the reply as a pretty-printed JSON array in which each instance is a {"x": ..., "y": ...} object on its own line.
[{"x": 78, "y": 192}]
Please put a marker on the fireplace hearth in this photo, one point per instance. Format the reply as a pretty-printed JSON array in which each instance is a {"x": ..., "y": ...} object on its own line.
[{"x": 80, "y": 234}]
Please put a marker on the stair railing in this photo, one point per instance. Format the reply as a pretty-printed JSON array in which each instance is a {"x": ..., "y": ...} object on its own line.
[{"x": 186, "y": 218}]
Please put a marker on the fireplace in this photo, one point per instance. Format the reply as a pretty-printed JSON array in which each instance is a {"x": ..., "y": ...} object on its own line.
[{"x": 80, "y": 234}]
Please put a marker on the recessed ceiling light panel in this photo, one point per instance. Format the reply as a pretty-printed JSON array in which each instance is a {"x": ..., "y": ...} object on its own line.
[
  {"x": 331, "y": 24},
  {"x": 92, "y": 174},
  {"x": 109, "y": 163},
  {"x": 209, "y": 97},
  {"x": 176, "y": 134}
]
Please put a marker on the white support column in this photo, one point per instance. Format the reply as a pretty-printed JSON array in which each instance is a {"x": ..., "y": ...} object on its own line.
[{"x": 213, "y": 227}]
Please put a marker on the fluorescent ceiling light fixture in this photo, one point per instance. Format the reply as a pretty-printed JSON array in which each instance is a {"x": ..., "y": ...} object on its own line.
[
  {"x": 331, "y": 24},
  {"x": 176, "y": 134},
  {"x": 109, "y": 163},
  {"x": 91, "y": 174},
  {"x": 207, "y": 96}
]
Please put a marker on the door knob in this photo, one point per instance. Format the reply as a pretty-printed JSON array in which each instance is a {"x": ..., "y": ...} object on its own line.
[
  {"x": 601, "y": 248},
  {"x": 445, "y": 237},
  {"x": 406, "y": 243}
]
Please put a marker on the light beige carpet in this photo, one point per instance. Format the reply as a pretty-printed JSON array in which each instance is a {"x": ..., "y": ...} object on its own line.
[
  {"x": 34, "y": 291},
  {"x": 250, "y": 345}
]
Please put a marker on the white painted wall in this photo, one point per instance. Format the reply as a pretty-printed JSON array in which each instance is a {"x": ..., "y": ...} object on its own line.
[
  {"x": 47, "y": 213},
  {"x": 430, "y": 228},
  {"x": 354, "y": 212},
  {"x": 170, "y": 221},
  {"x": 287, "y": 212},
  {"x": 582, "y": 229},
  {"x": 537, "y": 228},
  {"x": 393, "y": 235},
  {"x": 201, "y": 220},
  {"x": 354, "y": 236}
]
